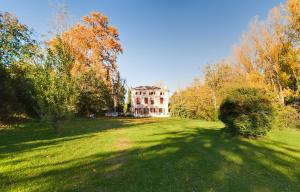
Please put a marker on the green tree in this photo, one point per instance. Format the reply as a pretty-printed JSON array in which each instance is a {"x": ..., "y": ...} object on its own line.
[
  {"x": 17, "y": 50},
  {"x": 128, "y": 102},
  {"x": 118, "y": 93},
  {"x": 55, "y": 91},
  {"x": 94, "y": 95}
]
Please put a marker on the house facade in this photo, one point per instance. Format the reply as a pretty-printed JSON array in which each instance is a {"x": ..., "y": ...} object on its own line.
[{"x": 149, "y": 101}]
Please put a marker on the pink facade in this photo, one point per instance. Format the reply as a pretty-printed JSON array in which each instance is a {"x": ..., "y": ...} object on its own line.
[{"x": 149, "y": 101}]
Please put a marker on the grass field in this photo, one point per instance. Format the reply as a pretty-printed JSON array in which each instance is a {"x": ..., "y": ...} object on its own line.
[{"x": 145, "y": 155}]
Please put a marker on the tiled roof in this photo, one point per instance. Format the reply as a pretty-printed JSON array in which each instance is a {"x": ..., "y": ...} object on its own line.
[{"x": 146, "y": 87}]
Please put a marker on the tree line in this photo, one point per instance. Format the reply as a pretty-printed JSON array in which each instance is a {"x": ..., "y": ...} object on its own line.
[
  {"x": 267, "y": 58},
  {"x": 73, "y": 73}
]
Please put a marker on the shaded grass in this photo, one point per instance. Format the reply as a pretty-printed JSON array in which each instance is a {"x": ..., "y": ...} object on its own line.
[{"x": 145, "y": 155}]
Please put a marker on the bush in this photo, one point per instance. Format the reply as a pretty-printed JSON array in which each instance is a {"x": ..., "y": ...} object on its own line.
[
  {"x": 180, "y": 111},
  {"x": 247, "y": 112},
  {"x": 287, "y": 117},
  {"x": 193, "y": 102}
]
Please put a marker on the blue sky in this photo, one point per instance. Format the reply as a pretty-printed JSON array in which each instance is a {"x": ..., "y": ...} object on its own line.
[{"x": 163, "y": 40}]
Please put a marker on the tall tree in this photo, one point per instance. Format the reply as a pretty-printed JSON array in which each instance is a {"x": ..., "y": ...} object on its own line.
[
  {"x": 293, "y": 32},
  {"x": 128, "y": 102},
  {"x": 266, "y": 52},
  {"x": 95, "y": 46},
  {"x": 61, "y": 20},
  {"x": 94, "y": 95},
  {"x": 193, "y": 102},
  {"x": 55, "y": 90},
  {"x": 119, "y": 93},
  {"x": 16, "y": 49},
  {"x": 216, "y": 76}
]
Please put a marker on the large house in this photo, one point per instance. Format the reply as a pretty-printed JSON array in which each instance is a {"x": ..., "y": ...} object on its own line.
[{"x": 149, "y": 101}]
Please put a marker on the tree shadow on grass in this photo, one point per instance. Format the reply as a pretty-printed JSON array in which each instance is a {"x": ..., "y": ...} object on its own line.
[
  {"x": 197, "y": 159},
  {"x": 22, "y": 137}
]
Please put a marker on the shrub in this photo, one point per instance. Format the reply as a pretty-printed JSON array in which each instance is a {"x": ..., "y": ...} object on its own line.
[
  {"x": 247, "y": 112},
  {"x": 287, "y": 117},
  {"x": 179, "y": 111},
  {"x": 193, "y": 102}
]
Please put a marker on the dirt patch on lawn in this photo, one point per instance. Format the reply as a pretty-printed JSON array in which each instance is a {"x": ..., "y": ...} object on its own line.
[
  {"x": 122, "y": 144},
  {"x": 147, "y": 120},
  {"x": 115, "y": 163}
]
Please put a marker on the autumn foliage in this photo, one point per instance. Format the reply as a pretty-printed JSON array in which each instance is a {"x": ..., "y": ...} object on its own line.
[
  {"x": 267, "y": 58},
  {"x": 76, "y": 74},
  {"x": 95, "y": 46}
]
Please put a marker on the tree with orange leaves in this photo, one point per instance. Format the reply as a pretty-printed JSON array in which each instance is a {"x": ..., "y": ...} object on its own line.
[{"x": 95, "y": 46}]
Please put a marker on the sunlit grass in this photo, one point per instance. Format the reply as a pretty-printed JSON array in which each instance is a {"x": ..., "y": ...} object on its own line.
[{"x": 145, "y": 155}]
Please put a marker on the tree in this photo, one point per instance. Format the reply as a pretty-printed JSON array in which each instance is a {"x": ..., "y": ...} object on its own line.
[
  {"x": 95, "y": 45},
  {"x": 61, "y": 20},
  {"x": 55, "y": 90},
  {"x": 128, "y": 102},
  {"x": 293, "y": 33},
  {"x": 267, "y": 53},
  {"x": 193, "y": 102},
  {"x": 17, "y": 49},
  {"x": 216, "y": 76},
  {"x": 94, "y": 95},
  {"x": 293, "y": 18},
  {"x": 266, "y": 58},
  {"x": 119, "y": 93}
]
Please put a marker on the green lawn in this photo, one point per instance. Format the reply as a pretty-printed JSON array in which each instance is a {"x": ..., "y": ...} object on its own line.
[{"x": 145, "y": 155}]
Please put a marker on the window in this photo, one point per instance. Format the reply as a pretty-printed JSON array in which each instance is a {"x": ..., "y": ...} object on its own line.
[
  {"x": 151, "y": 110},
  {"x": 146, "y": 100},
  {"x": 161, "y": 100},
  {"x": 161, "y": 93},
  {"x": 146, "y": 110},
  {"x": 151, "y": 101},
  {"x": 136, "y": 93},
  {"x": 160, "y": 110},
  {"x": 138, "y": 100}
]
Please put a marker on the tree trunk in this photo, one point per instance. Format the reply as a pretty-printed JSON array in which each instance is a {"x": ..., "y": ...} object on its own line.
[
  {"x": 280, "y": 91},
  {"x": 281, "y": 96},
  {"x": 214, "y": 99}
]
